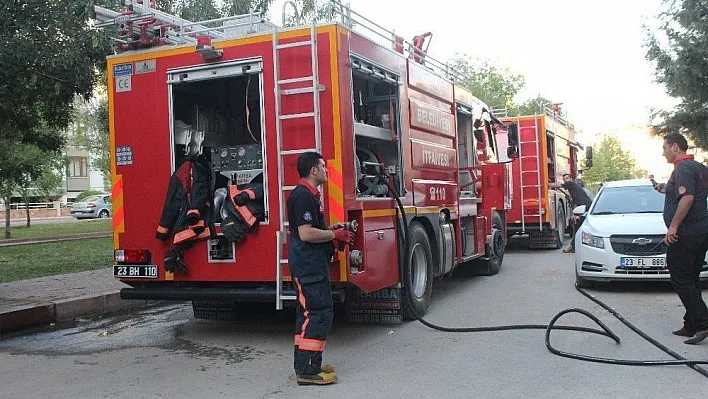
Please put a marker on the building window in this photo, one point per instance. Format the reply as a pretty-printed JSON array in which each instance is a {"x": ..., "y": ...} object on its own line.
[{"x": 78, "y": 167}]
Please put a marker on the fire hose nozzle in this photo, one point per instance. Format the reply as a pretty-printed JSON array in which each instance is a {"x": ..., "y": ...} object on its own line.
[{"x": 352, "y": 226}]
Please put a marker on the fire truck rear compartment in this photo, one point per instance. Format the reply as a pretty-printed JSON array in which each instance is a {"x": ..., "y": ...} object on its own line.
[{"x": 228, "y": 110}]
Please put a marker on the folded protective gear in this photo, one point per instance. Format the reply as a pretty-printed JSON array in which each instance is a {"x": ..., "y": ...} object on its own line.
[
  {"x": 173, "y": 260},
  {"x": 233, "y": 229},
  {"x": 187, "y": 212},
  {"x": 242, "y": 198}
]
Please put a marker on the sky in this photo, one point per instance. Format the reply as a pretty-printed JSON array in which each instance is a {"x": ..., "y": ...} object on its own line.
[{"x": 585, "y": 54}]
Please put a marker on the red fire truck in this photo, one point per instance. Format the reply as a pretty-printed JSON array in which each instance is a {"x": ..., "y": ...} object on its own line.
[
  {"x": 260, "y": 95},
  {"x": 547, "y": 150}
]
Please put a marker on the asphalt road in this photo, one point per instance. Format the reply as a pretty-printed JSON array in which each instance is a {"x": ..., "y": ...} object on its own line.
[{"x": 164, "y": 352}]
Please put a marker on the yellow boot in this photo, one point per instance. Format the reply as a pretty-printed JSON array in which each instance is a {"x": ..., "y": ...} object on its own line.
[{"x": 321, "y": 378}]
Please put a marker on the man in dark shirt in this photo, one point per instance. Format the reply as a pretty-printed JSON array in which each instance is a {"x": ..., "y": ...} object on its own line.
[
  {"x": 310, "y": 251},
  {"x": 686, "y": 218},
  {"x": 578, "y": 197}
]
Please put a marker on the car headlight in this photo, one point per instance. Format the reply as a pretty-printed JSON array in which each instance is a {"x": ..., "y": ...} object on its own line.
[{"x": 592, "y": 241}]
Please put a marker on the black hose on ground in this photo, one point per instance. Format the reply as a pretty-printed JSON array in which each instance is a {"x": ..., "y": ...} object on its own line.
[{"x": 552, "y": 325}]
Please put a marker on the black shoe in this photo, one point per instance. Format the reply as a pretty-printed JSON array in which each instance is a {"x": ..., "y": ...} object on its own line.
[
  {"x": 700, "y": 336},
  {"x": 683, "y": 332},
  {"x": 316, "y": 379}
]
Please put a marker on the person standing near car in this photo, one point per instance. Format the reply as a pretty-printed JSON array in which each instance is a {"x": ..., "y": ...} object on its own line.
[
  {"x": 310, "y": 253},
  {"x": 686, "y": 218},
  {"x": 578, "y": 197}
]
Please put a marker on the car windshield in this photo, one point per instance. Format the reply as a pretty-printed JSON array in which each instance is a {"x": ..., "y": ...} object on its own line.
[{"x": 638, "y": 199}]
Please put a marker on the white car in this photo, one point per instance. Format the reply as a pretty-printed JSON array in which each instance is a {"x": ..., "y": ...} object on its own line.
[{"x": 621, "y": 237}]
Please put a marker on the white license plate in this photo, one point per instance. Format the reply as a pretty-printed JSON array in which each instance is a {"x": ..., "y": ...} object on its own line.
[
  {"x": 135, "y": 271},
  {"x": 643, "y": 262}
]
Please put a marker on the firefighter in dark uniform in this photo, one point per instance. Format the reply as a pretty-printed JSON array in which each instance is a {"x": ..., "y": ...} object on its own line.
[
  {"x": 311, "y": 247},
  {"x": 578, "y": 197},
  {"x": 686, "y": 218}
]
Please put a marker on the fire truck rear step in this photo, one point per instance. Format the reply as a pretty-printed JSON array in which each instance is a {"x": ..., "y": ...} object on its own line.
[{"x": 181, "y": 293}]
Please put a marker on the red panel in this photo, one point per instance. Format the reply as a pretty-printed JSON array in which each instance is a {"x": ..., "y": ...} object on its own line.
[
  {"x": 480, "y": 234},
  {"x": 426, "y": 117},
  {"x": 379, "y": 269},
  {"x": 430, "y": 157},
  {"x": 428, "y": 193},
  {"x": 427, "y": 82},
  {"x": 494, "y": 185}
]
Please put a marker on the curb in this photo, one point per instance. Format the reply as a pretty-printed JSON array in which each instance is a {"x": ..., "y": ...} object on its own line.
[
  {"x": 23, "y": 316},
  {"x": 26, "y": 241}
]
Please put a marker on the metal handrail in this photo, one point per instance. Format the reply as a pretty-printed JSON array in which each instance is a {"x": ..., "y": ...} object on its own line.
[{"x": 442, "y": 68}]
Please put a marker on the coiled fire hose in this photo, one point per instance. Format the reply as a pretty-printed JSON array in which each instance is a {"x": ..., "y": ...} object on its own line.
[{"x": 605, "y": 331}]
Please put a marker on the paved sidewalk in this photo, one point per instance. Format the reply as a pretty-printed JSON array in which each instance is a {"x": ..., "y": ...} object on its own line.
[{"x": 61, "y": 298}]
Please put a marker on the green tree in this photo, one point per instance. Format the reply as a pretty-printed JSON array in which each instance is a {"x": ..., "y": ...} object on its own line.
[
  {"x": 199, "y": 10},
  {"x": 532, "y": 106},
  {"x": 309, "y": 10},
  {"x": 89, "y": 131},
  {"x": 22, "y": 165},
  {"x": 48, "y": 54},
  {"x": 610, "y": 162},
  {"x": 679, "y": 50},
  {"x": 495, "y": 85},
  {"x": 47, "y": 183}
]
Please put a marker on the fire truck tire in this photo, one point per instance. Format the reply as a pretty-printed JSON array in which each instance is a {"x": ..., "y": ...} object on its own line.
[
  {"x": 495, "y": 256},
  {"x": 560, "y": 227},
  {"x": 418, "y": 274}
]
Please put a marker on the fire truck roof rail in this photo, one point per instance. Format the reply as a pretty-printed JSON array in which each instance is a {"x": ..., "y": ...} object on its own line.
[
  {"x": 170, "y": 29},
  {"x": 556, "y": 114},
  {"x": 353, "y": 20},
  {"x": 501, "y": 112}
]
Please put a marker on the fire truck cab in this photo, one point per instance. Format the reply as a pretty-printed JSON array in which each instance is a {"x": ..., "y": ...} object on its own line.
[{"x": 419, "y": 163}]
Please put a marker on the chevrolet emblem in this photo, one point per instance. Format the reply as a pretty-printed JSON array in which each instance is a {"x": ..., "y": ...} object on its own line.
[{"x": 642, "y": 241}]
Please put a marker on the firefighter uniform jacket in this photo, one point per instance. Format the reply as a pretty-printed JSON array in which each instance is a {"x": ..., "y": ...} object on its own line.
[
  {"x": 307, "y": 259},
  {"x": 187, "y": 212}
]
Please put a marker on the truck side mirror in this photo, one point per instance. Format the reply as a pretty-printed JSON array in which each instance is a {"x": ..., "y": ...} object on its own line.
[
  {"x": 512, "y": 134},
  {"x": 579, "y": 210},
  {"x": 588, "y": 157}
]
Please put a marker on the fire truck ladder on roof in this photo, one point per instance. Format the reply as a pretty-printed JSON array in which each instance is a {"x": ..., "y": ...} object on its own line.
[
  {"x": 536, "y": 172},
  {"x": 315, "y": 89},
  {"x": 156, "y": 27}
]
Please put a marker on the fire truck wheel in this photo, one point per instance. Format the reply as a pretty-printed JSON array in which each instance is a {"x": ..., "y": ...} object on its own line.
[
  {"x": 418, "y": 275},
  {"x": 560, "y": 228},
  {"x": 495, "y": 253}
]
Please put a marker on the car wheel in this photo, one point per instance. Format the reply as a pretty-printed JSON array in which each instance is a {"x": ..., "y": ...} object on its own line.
[
  {"x": 103, "y": 214},
  {"x": 418, "y": 275}
]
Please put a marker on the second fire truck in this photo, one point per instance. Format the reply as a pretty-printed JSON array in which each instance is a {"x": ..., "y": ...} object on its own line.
[
  {"x": 548, "y": 149},
  {"x": 248, "y": 97}
]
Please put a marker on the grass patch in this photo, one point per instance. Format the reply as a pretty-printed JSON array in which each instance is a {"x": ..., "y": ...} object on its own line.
[
  {"x": 45, "y": 230},
  {"x": 23, "y": 262}
]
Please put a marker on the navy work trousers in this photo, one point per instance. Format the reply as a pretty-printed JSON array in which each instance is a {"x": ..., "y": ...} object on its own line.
[
  {"x": 315, "y": 312},
  {"x": 685, "y": 259}
]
